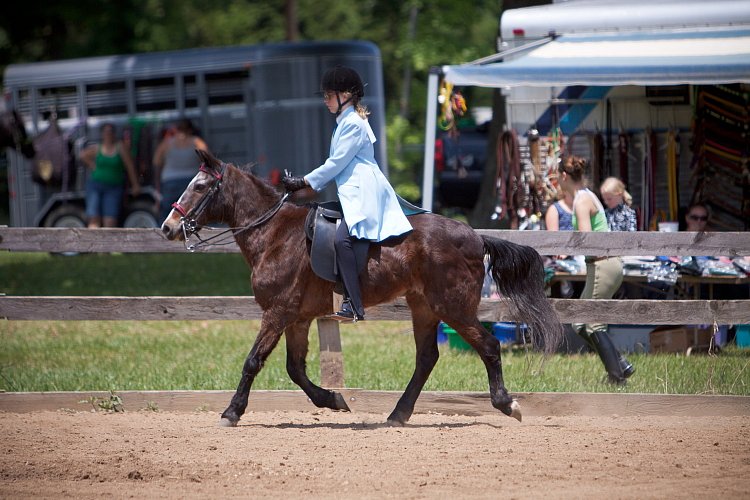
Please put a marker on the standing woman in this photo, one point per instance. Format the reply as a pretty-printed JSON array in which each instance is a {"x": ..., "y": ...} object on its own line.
[
  {"x": 603, "y": 274},
  {"x": 174, "y": 160},
  {"x": 105, "y": 185},
  {"x": 371, "y": 208}
]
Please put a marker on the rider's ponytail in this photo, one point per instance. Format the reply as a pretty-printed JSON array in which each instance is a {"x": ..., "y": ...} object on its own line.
[{"x": 362, "y": 110}]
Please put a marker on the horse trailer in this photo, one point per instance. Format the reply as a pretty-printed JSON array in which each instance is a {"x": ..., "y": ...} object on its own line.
[{"x": 251, "y": 104}]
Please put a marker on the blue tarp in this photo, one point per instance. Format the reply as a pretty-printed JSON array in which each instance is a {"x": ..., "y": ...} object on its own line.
[{"x": 710, "y": 56}]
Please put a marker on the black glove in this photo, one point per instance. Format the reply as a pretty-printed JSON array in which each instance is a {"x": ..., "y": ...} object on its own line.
[{"x": 293, "y": 184}]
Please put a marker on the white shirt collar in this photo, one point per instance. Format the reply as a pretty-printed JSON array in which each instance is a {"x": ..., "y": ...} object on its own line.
[{"x": 351, "y": 109}]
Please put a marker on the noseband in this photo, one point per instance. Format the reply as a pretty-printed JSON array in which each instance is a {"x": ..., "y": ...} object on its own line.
[{"x": 188, "y": 217}]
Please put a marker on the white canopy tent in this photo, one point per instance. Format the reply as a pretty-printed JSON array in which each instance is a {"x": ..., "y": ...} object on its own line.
[{"x": 703, "y": 57}]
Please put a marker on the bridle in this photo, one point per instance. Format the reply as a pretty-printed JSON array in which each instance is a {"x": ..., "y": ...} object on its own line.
[{"x": 188, "y": 218}]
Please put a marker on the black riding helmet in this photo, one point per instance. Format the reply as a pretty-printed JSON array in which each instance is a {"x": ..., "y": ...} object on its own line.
[{"x": 343, "y": 79}]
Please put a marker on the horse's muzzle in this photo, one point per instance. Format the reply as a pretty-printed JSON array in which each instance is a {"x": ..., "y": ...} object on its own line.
[{"x": 172, "y": 230}]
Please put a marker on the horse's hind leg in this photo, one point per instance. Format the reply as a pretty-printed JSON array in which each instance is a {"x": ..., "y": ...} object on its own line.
[
  {"x": 296, "y": 354},
  {"x": 265, "y": 342},
  {"x": 425, "y": 325}
]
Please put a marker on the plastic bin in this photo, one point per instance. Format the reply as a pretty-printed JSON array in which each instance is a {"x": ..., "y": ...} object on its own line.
[
  {"x": 742, "y": 336},
  {"x": 442, "y": 335},
  {"x": 506, "y": 332}
]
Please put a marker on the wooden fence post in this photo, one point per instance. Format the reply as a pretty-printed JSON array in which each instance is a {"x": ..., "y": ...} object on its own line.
[{"x": 331, "y": 357}]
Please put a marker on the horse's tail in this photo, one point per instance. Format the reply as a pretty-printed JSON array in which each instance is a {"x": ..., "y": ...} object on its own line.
[{"x": 518, "y": 272}]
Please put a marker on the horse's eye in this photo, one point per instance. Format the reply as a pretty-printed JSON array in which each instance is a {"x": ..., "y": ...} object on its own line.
[{"x": 200, "y": 186}]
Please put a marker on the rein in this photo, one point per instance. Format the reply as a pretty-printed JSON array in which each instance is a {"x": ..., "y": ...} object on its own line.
[{"x": 190, "y": 226}]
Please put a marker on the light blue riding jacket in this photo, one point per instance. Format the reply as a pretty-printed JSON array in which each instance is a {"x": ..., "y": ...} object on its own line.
[{"x": 371, "y": 208}]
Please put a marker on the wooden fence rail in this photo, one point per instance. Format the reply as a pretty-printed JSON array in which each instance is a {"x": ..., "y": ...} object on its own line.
[
  {"x": 644, "y": 312},
  {"x": 545, "y": 242},
  {"x": 650, "y": 312}
]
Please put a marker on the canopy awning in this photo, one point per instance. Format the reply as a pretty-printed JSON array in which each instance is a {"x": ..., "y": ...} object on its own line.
[{"x": 639, "y": 58}]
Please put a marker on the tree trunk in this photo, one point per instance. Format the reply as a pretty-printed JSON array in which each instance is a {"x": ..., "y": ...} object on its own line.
[{"x": 292, "y": 23}]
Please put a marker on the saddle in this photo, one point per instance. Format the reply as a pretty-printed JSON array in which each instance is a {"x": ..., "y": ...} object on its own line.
[{"x": 320, "y": 228}]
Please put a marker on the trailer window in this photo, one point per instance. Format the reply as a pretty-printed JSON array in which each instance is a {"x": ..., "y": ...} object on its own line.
[
  {"x": 62, "y": 101},
  {"x": 227, "y": 87},
  {"x": 106, "y": 99},
  {"x": 191, "y": 91},
  {"x": 155, "y": 94}
]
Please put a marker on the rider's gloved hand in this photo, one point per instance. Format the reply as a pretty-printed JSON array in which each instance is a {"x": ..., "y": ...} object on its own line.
[{"x": 293, "y": 184}]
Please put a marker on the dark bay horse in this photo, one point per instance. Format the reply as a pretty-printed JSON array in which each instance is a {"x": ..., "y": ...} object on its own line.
[
  {"x": 13, "y": 133},
  {"x": 439, "y": 268}
]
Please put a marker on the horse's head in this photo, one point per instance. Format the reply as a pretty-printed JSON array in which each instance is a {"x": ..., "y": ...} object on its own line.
[
  {"x": 13, "y": 134},
  {"x": 196, "y": 206}
]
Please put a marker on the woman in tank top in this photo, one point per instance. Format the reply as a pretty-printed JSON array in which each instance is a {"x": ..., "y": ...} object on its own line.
[
  {"x": 109, "y": 163},
  {"x": 603, "y": 274},
  {"x": 176, "y": 163}
]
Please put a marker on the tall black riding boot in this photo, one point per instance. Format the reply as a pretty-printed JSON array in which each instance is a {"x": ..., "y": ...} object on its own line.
[
  {"x": 627, "y": 367},
  {"x": 610, "y": 357}
]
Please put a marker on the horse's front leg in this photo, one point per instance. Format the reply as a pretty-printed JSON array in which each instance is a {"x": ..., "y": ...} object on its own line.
[
  {"x": 296, "y": 355},
  {"x": 425, "y": 325},
  {"x": 269, "y": 335}
]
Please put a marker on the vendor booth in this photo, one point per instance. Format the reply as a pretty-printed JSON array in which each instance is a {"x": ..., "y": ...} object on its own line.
[{"x": 665, "y": 109}]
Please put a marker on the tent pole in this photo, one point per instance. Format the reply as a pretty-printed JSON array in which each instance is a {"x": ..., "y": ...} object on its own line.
[{"x": 428, "y": 173}]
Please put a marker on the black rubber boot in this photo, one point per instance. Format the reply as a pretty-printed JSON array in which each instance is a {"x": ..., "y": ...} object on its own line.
[
  {"x": 610, "y": 357},
  {"x": 627, "y": 367}
]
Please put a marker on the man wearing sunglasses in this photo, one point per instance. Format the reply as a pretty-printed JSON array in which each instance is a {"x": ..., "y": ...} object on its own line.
[{"x": 696, "y": 217}]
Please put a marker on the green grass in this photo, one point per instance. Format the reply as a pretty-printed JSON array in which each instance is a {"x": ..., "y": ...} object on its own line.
[
  {"x": 208, "y": 355},
  {"x": 124, "y": 274}
]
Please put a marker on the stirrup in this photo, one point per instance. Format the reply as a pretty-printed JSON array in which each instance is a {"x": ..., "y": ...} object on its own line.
[
  {"x": 346, "y": 317},
  {"x": 346, "y": 314}
]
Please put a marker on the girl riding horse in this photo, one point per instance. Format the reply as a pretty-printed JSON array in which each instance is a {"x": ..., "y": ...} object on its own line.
[{"x": 439, "y": 267}]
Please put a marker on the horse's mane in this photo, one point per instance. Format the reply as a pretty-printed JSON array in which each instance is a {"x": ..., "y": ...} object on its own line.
[
  {"x": 247, "y": 168},
  {"x": 263, "y": 184}
]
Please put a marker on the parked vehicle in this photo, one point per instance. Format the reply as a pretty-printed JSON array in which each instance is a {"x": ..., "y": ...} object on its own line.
[{"x": 460, "y": 158}]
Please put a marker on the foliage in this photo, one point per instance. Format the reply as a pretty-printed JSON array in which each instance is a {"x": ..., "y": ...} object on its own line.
[{"x": 111, "y": 403}]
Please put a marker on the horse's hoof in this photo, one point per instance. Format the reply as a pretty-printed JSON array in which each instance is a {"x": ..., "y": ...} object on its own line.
[
  {"x": 515, "y": 410},
  {"x": 225, "y": 422},
  {"x": 339, "y": 403},
  {"x": 396, "y": 419}
]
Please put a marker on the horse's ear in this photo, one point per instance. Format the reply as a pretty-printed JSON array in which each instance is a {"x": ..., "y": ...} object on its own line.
[{"x": 207, "y": 158}]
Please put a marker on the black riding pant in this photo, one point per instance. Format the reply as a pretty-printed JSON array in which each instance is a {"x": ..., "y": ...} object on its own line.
[{"x": 347, "y": 249}]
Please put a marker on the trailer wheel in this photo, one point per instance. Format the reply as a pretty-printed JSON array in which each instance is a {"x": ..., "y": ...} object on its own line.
[
  {"x": 140, "y": 214},
  {"x": 66, "y": 216}
]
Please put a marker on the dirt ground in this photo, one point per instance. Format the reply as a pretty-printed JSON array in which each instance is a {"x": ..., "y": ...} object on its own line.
[{"x": 323, "y": 454}]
